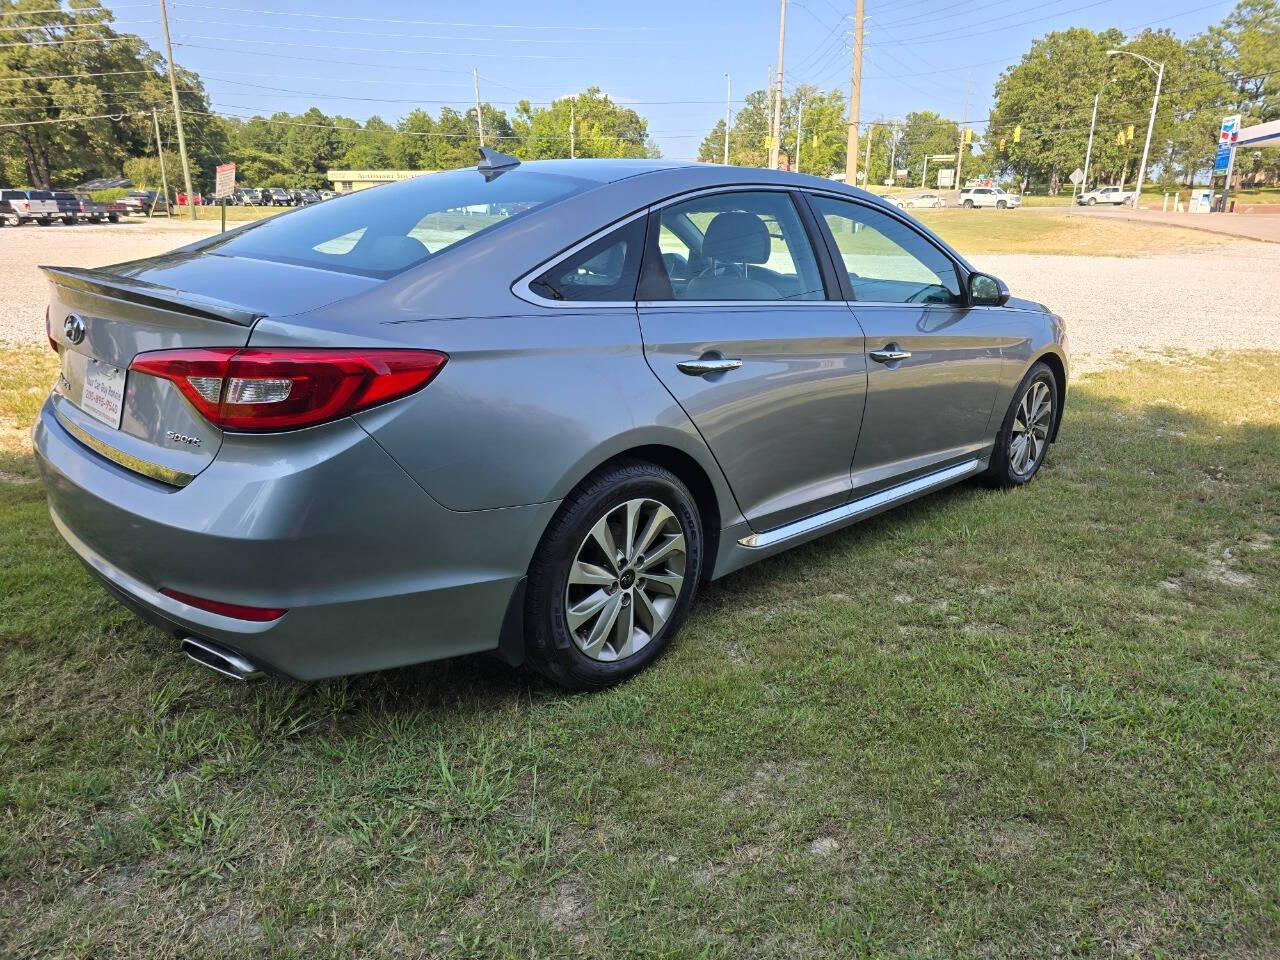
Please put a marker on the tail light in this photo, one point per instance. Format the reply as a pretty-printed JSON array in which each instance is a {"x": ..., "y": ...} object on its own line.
[
  {"x": 272, "y": 389},
  {"x": 48, "y": 329}
]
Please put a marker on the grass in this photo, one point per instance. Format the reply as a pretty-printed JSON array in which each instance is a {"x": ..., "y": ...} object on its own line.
[
  {"x": 1043, "y": 723},
  {"x": 1047, "y": 232}
]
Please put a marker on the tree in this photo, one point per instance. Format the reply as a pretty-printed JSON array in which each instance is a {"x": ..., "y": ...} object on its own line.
[
  {"x": 925, "y": 134},
  {"x": 602, "y": 128},
  {"x": 824, "y": 130}
]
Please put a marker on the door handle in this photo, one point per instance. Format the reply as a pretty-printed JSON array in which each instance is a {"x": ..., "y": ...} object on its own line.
[
  {"x": 890, "y": 354},
  {"x": 700, "y": 368}
]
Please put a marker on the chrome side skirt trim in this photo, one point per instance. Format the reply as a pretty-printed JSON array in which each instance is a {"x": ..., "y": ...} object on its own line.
[
  {"x": 858, "y": 508},
  {"x": 172, "y": 477}
]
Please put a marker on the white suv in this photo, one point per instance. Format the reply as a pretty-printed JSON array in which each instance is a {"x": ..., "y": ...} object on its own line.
[{"x": 988, "y": 197}]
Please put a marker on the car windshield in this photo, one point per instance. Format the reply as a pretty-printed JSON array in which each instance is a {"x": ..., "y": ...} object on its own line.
[{"x": 388, "y": 229}]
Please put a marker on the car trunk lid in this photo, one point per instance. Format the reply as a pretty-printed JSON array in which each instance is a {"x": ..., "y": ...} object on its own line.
[{"x": 100, "y": 320}]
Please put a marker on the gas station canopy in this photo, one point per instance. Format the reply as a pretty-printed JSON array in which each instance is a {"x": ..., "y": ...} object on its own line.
[{"x": 1260, "y": 135}]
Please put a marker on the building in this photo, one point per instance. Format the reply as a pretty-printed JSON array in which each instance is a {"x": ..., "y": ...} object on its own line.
[{"x": 345, "y": 181}]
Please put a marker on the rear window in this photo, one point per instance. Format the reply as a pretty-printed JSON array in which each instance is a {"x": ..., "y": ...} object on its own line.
[
  {"x": 40, "y": 195},
  {"x": 385, "y": 230}
]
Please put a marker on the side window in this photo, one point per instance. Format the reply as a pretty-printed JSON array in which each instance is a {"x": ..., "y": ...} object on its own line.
[
  {"x": 602, "y": 271},
  {"x": 887, "y": 261},
  {"x": 738, "y": 246}
]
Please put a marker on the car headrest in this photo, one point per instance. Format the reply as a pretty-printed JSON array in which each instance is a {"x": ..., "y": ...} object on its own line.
[{"x": 736, "y": 237}]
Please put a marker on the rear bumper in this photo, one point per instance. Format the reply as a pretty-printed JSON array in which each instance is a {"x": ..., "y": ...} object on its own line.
[{"x": 373, "y": 572}]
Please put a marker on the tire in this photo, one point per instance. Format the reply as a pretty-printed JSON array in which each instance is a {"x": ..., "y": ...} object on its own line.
[
  {"x": 44, "y": 222},
  {"x": 113, "y": 217},
  {"x": 1093, "y": 201},
  {"x": 968, "y": 204},
  {"x": 13, "y": 220},
  {"x": 664, "y": 510},
  {"x": 1007, "y": 469},
  {"x": 1001, "y": 205}
]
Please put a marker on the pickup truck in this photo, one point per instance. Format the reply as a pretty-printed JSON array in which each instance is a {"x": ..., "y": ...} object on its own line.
[
  {"x": 68, "y": 206},
  {"x": 28, "y": 205},
  {"x": 144, "y": 202},
  {"x": 1104, "y": 195},
  {"x": 95, "y": 211}
]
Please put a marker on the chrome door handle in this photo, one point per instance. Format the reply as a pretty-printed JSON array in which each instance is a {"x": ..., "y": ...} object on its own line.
[
  {"x": 889, "y": 356},
  {"x": 700, "y": 368}
]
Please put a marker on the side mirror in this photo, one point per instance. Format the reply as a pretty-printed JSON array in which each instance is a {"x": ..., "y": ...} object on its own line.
[{"x": 987, "y": 291}]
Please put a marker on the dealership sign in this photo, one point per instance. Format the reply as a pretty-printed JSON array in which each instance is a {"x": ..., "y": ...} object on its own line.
[{"x": 1230, "y": 132}]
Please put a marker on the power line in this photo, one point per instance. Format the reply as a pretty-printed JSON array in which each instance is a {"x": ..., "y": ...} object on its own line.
[
  {"x": 101, "y": 116},
  {"x": 421, "y": 23},
  {"x": 119, "y": 37},
  {"x": 497, "y": 55},
  {"x": 71, "y": 76}
]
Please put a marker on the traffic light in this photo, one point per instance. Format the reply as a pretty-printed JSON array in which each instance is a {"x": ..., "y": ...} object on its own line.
[
  {"x": 1120, "y": 139},
  {"x": 1129, "y": 134},
  {"x": 968, "y": 135},
  {"x": 1002, "y": 143},
  {"x": 1017, "y": 133}
]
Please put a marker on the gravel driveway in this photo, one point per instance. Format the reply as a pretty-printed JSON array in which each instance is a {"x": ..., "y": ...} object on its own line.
[{"x": 1221, "y": 297}]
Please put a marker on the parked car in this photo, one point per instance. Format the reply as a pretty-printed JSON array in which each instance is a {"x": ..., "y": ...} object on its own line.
[
  {"x": 145, "y": 202},
  {"x": 926, "y": 200},
  {"x": 1113, "y": 195},
  {"x": 196, "y": 200},
  {"x": 308, "y": 196},
  {"x": 989, "y": 197},
  {"x": 69, "y": 209},
  {"x": 276, "y": 197},
  {"x": 30, "y": 205},
  {"x": 376, "y": 433},
  {"x": 8, "y": 216},
  {"x": 328, "y": 194},
  {"x": 247, "y": 197}
]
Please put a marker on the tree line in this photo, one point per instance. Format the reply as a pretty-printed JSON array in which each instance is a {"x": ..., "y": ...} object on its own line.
[
  {"x": 76, "y": 101},
  {"x": 1038, "y": 126}
]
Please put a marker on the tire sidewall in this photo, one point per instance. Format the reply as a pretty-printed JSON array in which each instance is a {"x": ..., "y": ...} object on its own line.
[
  {"x": 550, "y": 645},
  {"x": 1001, "y": 470}
]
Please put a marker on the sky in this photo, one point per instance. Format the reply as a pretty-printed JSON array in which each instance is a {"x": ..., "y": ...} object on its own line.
[{"x": 666, "y": 58}]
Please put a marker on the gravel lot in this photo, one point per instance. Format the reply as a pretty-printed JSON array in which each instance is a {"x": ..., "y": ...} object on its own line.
[{"x": 1221, "y": 297}]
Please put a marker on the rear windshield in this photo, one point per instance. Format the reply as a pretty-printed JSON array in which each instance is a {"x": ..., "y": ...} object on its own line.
[
  {"x": 385, "y": 230},
  {"x": 39, "y": 195}
]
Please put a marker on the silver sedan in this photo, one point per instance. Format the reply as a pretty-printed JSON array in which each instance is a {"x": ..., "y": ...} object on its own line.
[{"x": 524, "y": 408}]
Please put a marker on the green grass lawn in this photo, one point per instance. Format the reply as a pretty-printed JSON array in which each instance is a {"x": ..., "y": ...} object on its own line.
[
  {"x": 1043, "y": 723},
  {"x": 1047, "y": 231}
]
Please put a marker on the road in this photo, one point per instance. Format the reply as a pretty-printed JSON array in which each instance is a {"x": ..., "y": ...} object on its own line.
[{"x": 1220, "y": 297}]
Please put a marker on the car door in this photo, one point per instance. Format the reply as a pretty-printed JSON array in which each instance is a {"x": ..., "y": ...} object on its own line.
[
  {"x": 744, "y": 324},
  {"x": 935, "y": 361}
]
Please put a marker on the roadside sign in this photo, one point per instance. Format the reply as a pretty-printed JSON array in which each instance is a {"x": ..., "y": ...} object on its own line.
[
  {"x": 1077, "y": 176},
  {"x": 902, "y": 172},
  {"x": 224, "y": 182},
  {"x": 1230, "y": 131},
  {"x": 946, "y": 178},
  {"x": 1221, "y": 161}
]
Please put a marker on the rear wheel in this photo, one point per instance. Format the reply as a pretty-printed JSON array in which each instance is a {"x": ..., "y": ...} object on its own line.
[
  {"x": 968, "y": 204},
  {"x": 613, "y": 578},
  {"x": 13, "y": 220},
  {"x": 1023, "y": 440},
  {"x": 1001, "y": 204}
]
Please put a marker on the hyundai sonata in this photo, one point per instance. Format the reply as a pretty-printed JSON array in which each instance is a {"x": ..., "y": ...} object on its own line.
[{"x": 524, "y": 408}]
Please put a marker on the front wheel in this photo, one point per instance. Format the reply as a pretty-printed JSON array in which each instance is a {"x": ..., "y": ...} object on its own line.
[
  {"x": 1024, "y": 434},
  {"x": 613, "y": 578},
  {"x": 968, "y": 204},
  {"x": 1001, "y": 204},
  {"x": 1093, "y": 201}
]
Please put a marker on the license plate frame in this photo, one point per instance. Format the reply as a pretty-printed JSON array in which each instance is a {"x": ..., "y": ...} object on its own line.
[{"x": 102, "y": 392}]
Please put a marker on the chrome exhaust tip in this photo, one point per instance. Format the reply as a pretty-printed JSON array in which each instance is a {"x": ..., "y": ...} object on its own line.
[{"x": 220, "y": 659}]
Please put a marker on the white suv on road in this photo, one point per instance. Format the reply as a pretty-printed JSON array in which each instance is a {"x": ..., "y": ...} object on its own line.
[{"x": 988, "y": 197}]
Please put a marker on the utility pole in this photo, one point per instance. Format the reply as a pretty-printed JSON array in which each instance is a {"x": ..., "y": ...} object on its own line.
[
  {"x": 728, "y": 99},
  {"x": 177, "y": 113},
  {"x": 475, "y": 76},
  {"x": 1088, "y": 151},
  {"x": 775, "y": 134},
  {"x": 799, "y": 132},
  {"x": 855, "y": 99},
  {"x": 164, "y": 178},
  {"x": 573, "y": 131},
  {"x": 964, "y": 119},
  {"x": 893, "y": 152}
]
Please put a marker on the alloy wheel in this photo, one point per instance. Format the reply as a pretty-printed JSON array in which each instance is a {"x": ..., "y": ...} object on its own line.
[
  {"x": 625, "y": 579},
  {"x": 1030, "y": 431}
]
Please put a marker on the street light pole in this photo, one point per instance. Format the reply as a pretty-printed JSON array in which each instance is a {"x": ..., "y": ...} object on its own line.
[
  {"x": 1088, "y": 151},
  {"x": 728, "y": 99},
  {"x": 1155, "y": 103}
]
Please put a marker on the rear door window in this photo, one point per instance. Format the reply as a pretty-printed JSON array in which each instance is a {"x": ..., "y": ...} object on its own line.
[{"x": 737, "y": 246}]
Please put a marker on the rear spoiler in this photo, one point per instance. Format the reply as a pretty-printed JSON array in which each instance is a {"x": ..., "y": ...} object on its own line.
[{"x": 117, "y": 287}]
